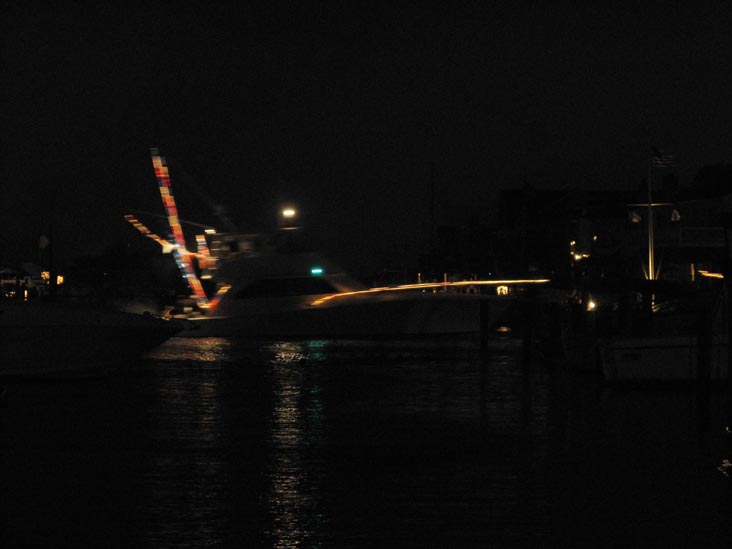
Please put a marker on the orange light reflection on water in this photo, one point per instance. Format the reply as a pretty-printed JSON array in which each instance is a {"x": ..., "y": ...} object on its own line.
[{"x": 203, "y": 349}]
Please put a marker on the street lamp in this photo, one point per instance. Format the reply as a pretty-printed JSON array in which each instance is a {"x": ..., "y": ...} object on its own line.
[{"x": 288, "y": 217}]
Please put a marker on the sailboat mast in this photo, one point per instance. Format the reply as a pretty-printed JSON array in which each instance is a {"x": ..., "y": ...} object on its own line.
[{"x": 649, "y": 218}]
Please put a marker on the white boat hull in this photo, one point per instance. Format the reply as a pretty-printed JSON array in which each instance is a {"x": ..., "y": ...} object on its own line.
[
  {"x": 661, "y": 359},
  {"x": 392, "y": 316}
]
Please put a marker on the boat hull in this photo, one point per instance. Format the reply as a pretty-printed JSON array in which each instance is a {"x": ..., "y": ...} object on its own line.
[
  {"x": 404, "y": 316},
  {"x": 50, "y": 339},
  {"x": 662, "y": 359}
]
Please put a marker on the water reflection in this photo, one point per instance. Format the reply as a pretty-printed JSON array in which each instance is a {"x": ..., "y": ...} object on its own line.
[
  {"x": 185, "y": 502},
  {"x": 359, "y": 444},
  {"x": 201, "y": 349},
  {"x": 296, "y": 425},
  {"x": 185, "y": 478}
]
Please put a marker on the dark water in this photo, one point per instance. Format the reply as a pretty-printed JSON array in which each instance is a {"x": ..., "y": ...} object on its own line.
[{"x": 219, "y": 443}]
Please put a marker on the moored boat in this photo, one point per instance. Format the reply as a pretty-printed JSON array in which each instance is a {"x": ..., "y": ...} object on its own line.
[
  {"x": 55, "y": 338},
  {"x": 678, "y": 358},
  {"x": 640, "y": 330},
  {"x": 387, "y": 313},
  {"x": 253, "y": 285},
  {"x": 687, "y": 343}
]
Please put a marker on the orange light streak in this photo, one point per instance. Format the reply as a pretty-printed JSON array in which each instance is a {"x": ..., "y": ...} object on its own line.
[
  {"x": 709, "y": 274},
  {"x": 221, "y": 292},
  {"x": 148, "y": 233},
  {"x": 203, "y": 254},
  {"x": 430, "y": 285}
]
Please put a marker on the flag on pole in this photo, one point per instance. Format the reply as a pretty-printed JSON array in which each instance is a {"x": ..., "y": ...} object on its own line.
[{"x": 661, "y": 160}]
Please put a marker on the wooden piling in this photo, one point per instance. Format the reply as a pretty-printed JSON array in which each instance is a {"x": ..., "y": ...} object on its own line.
[
  {"x": 485, "y": 324},
  {"x": 704, "y": 348}
]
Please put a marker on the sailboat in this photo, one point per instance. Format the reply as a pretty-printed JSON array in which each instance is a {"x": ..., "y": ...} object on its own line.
[
  {"x": 673, "y": 346},
  {"x": 682, "y": 344}
]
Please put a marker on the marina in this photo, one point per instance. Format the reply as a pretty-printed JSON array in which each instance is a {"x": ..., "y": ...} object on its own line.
[
  {"x": 309, "y": 276},
  {"x": 280, "y": 402},
  {"x": 275, "y": 400}
]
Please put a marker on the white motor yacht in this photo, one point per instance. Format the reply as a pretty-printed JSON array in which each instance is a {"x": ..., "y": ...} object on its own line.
[
  {"x": 274, "y": 285},
  {"x": 282, "y": 291}
]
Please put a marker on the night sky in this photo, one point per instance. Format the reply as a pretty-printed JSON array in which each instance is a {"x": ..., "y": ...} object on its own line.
[{"x": 349, "y": 112}]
